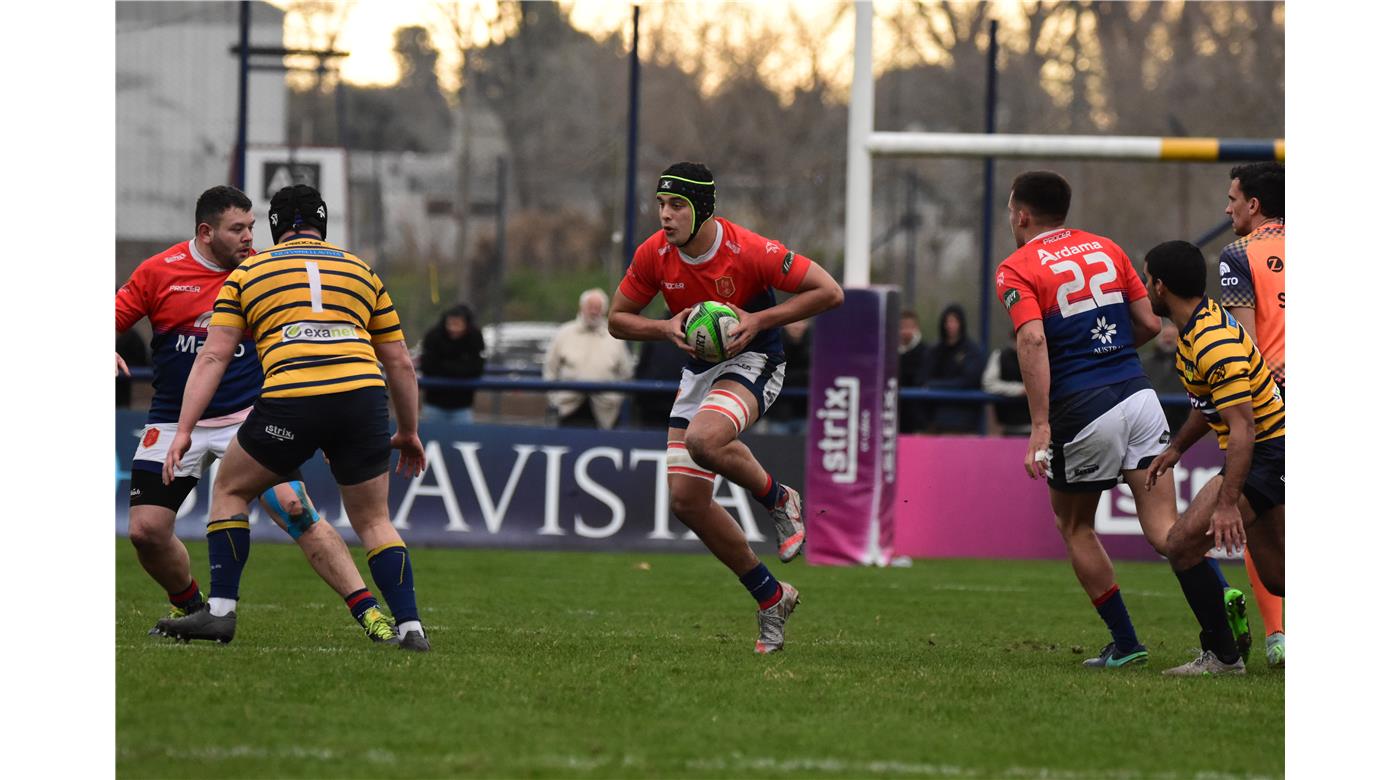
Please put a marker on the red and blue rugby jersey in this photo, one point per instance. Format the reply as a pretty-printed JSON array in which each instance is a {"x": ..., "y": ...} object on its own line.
[
  {"x": 1079, "y": 285},
  {"x": 176, "y": 290},
  {"x": 742, "y": 269}
]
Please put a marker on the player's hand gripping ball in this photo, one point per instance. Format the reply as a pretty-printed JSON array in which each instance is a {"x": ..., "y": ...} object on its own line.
[{"x": 707, "y": 330}]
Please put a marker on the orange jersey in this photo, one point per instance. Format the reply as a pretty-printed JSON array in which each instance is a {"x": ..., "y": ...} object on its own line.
[{"x": 1251, "y": 277}]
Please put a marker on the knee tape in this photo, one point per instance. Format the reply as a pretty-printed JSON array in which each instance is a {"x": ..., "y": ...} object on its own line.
[
  {"x": 679, "y": 462},
  {"x": 729, "y": 405},
  {"x": 296, "y": 525}
]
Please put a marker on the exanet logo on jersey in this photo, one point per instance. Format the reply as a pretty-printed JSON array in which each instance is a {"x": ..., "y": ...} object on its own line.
[{"x": 313, "y": 331}]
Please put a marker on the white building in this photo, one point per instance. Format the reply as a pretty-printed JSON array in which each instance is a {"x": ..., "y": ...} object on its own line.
[{"x": 177, "y": 113}]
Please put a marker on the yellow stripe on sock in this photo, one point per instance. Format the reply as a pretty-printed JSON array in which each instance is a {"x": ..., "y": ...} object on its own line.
[
  {"x": 223, "y": 525},
  {"x": 381, "y": 548}
]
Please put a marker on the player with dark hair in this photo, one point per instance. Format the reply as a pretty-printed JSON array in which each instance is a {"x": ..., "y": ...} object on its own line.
[
  {"x": 1252, "y": 291},
  {"x": 322, "y": 323},
  {"x": 1080, "y": 311},
  {"x": 176, "y": 290},
  {"x": 1233, "y": 393},
  {"x": 697, "y": 257}
]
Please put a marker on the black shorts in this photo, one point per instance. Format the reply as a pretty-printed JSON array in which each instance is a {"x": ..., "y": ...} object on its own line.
[
  {"x": 351, "y": 428},
  {"x": 1263, "y": 485}
]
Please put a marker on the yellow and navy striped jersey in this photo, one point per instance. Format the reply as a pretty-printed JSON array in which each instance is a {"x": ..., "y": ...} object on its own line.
[
  {"x": 315, "y": 312},
  {"x": 1220, "y": 367}
]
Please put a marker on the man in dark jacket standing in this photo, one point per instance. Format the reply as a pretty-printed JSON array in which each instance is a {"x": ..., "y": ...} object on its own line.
[
  {"x": 913, "y": 371},
  {"x": 452, "y": 350},
  {"x": 955, "y": 363}
]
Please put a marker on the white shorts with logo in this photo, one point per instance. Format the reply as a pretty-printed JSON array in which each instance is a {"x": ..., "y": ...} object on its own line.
[
  {"x": 1126, "y": 437},
  {"x": 205, "y": 445},
  {"x": 759, "y": 373}
]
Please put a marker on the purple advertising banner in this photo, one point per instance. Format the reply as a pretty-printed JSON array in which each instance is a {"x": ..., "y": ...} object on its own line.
[
  {"x": 969, "y": 497},
  {"x": 852, "y": 431},
  {"x": 516, "y": 486}
]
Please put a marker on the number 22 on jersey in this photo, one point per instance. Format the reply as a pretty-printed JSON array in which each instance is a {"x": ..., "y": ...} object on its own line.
[{"x": 1075, "y": 283}]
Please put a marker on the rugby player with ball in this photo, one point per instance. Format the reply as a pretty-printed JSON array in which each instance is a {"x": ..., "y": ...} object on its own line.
[{"x": 720, "y": 279}]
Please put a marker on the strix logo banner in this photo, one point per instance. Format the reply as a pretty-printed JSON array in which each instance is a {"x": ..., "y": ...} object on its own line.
[{"x": 853, "y": 430}]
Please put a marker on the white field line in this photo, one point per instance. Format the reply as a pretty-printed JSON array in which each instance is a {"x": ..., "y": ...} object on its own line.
[{"x": 734, "y": 763}]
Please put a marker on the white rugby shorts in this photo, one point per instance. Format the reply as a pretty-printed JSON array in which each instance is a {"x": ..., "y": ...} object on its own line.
[
  {"x": 760, "y": 373},
  {"x": 205, "y": 445},
  {"x": 1126, "y": 437}
]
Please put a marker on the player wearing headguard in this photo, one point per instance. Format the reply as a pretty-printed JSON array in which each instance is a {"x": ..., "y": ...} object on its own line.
[
  {"x": 1080, "y": 311},
  {"x": 697, "y": 257},
  {"x": 322, "y": 324},
  {"x": 176, "y": 290}
]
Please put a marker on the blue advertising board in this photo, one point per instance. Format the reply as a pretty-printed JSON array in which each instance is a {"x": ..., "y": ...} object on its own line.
[{"x": 516, "y": 487}]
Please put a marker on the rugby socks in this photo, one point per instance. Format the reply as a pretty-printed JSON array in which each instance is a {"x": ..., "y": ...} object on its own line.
[
  {"x": 769, "y": 496},
  {"x": 393, "y": 575},
  {"x": 188, "y": 599},
  {"x": 228, "y": 553},
  {"x": 1115, "y": 615},
  {"x": 1202, "y": 591},
  {"x": 763, "y": 586},
  {"x": 1219, "y": 574},
  {"x": 360, "y": 602},
  {"x": 1270, "y": 606}
]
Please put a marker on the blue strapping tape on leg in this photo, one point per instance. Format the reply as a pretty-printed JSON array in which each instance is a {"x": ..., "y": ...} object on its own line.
[{"x": 296, "y": 526}]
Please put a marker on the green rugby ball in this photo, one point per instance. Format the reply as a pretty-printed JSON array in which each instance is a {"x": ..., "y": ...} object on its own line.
[{"x": 707, "y": 330}]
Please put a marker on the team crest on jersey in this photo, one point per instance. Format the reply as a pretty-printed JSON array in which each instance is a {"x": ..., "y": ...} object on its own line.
[
  {"x": 151, "y": 437},
  {"x": 724, "y": 286}
]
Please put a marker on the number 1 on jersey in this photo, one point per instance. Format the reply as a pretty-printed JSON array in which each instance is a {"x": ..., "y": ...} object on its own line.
[{"x": 313, "y": 276}]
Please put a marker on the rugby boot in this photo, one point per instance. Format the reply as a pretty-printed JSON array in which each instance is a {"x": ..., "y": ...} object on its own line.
[
  {"x": 1110, "y": 657},
  {"x": 175, "y": 612},
  {"x": 378, "y": 627},
  {"x": 201, "y": 624},
  {"x": 787, "y": 520},
  {"x": 416, "y": 641},
  {"x": 773, "y": 620},
  {"x": 1237, "y": 615},
  {"x": 1206, "y": 665},
  {"x": 1273, "y": 649}
]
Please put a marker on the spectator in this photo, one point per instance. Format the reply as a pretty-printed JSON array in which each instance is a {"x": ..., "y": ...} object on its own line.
[
  {"x": 955, "y": 363},
  {"x": 133, "y": 350},
  {"x": 583, "y": 350},
  {"x": 452, "y": 349},
  {"x": 789, "y": 413},
  {"x": 1159, "y": 361},
  {"x": 658, "y": 360},
  {"x": 1003, "y": 377},
  {"x": 913, "y": 371}
]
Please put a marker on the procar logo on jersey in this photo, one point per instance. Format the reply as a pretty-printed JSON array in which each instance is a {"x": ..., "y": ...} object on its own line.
[
  {"x": 1068, "y": 251},
  {"x": 175, "y": 258},
  {"x": 315, "y": 331},
  {"x": 191, "y": 288}
]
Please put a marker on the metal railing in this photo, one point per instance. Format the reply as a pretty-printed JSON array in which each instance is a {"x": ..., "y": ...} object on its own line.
[{"x": 526, "y": 383}]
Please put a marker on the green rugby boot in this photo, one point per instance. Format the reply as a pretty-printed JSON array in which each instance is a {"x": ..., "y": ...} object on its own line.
[
  {"x": 1237, "y": 615},
  {"x": 378, "y": 627},
  {"x": 1110, "y": 658}
]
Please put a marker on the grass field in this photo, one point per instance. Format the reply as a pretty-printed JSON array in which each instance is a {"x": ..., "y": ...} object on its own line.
[{"x": 594, "y": 665}]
